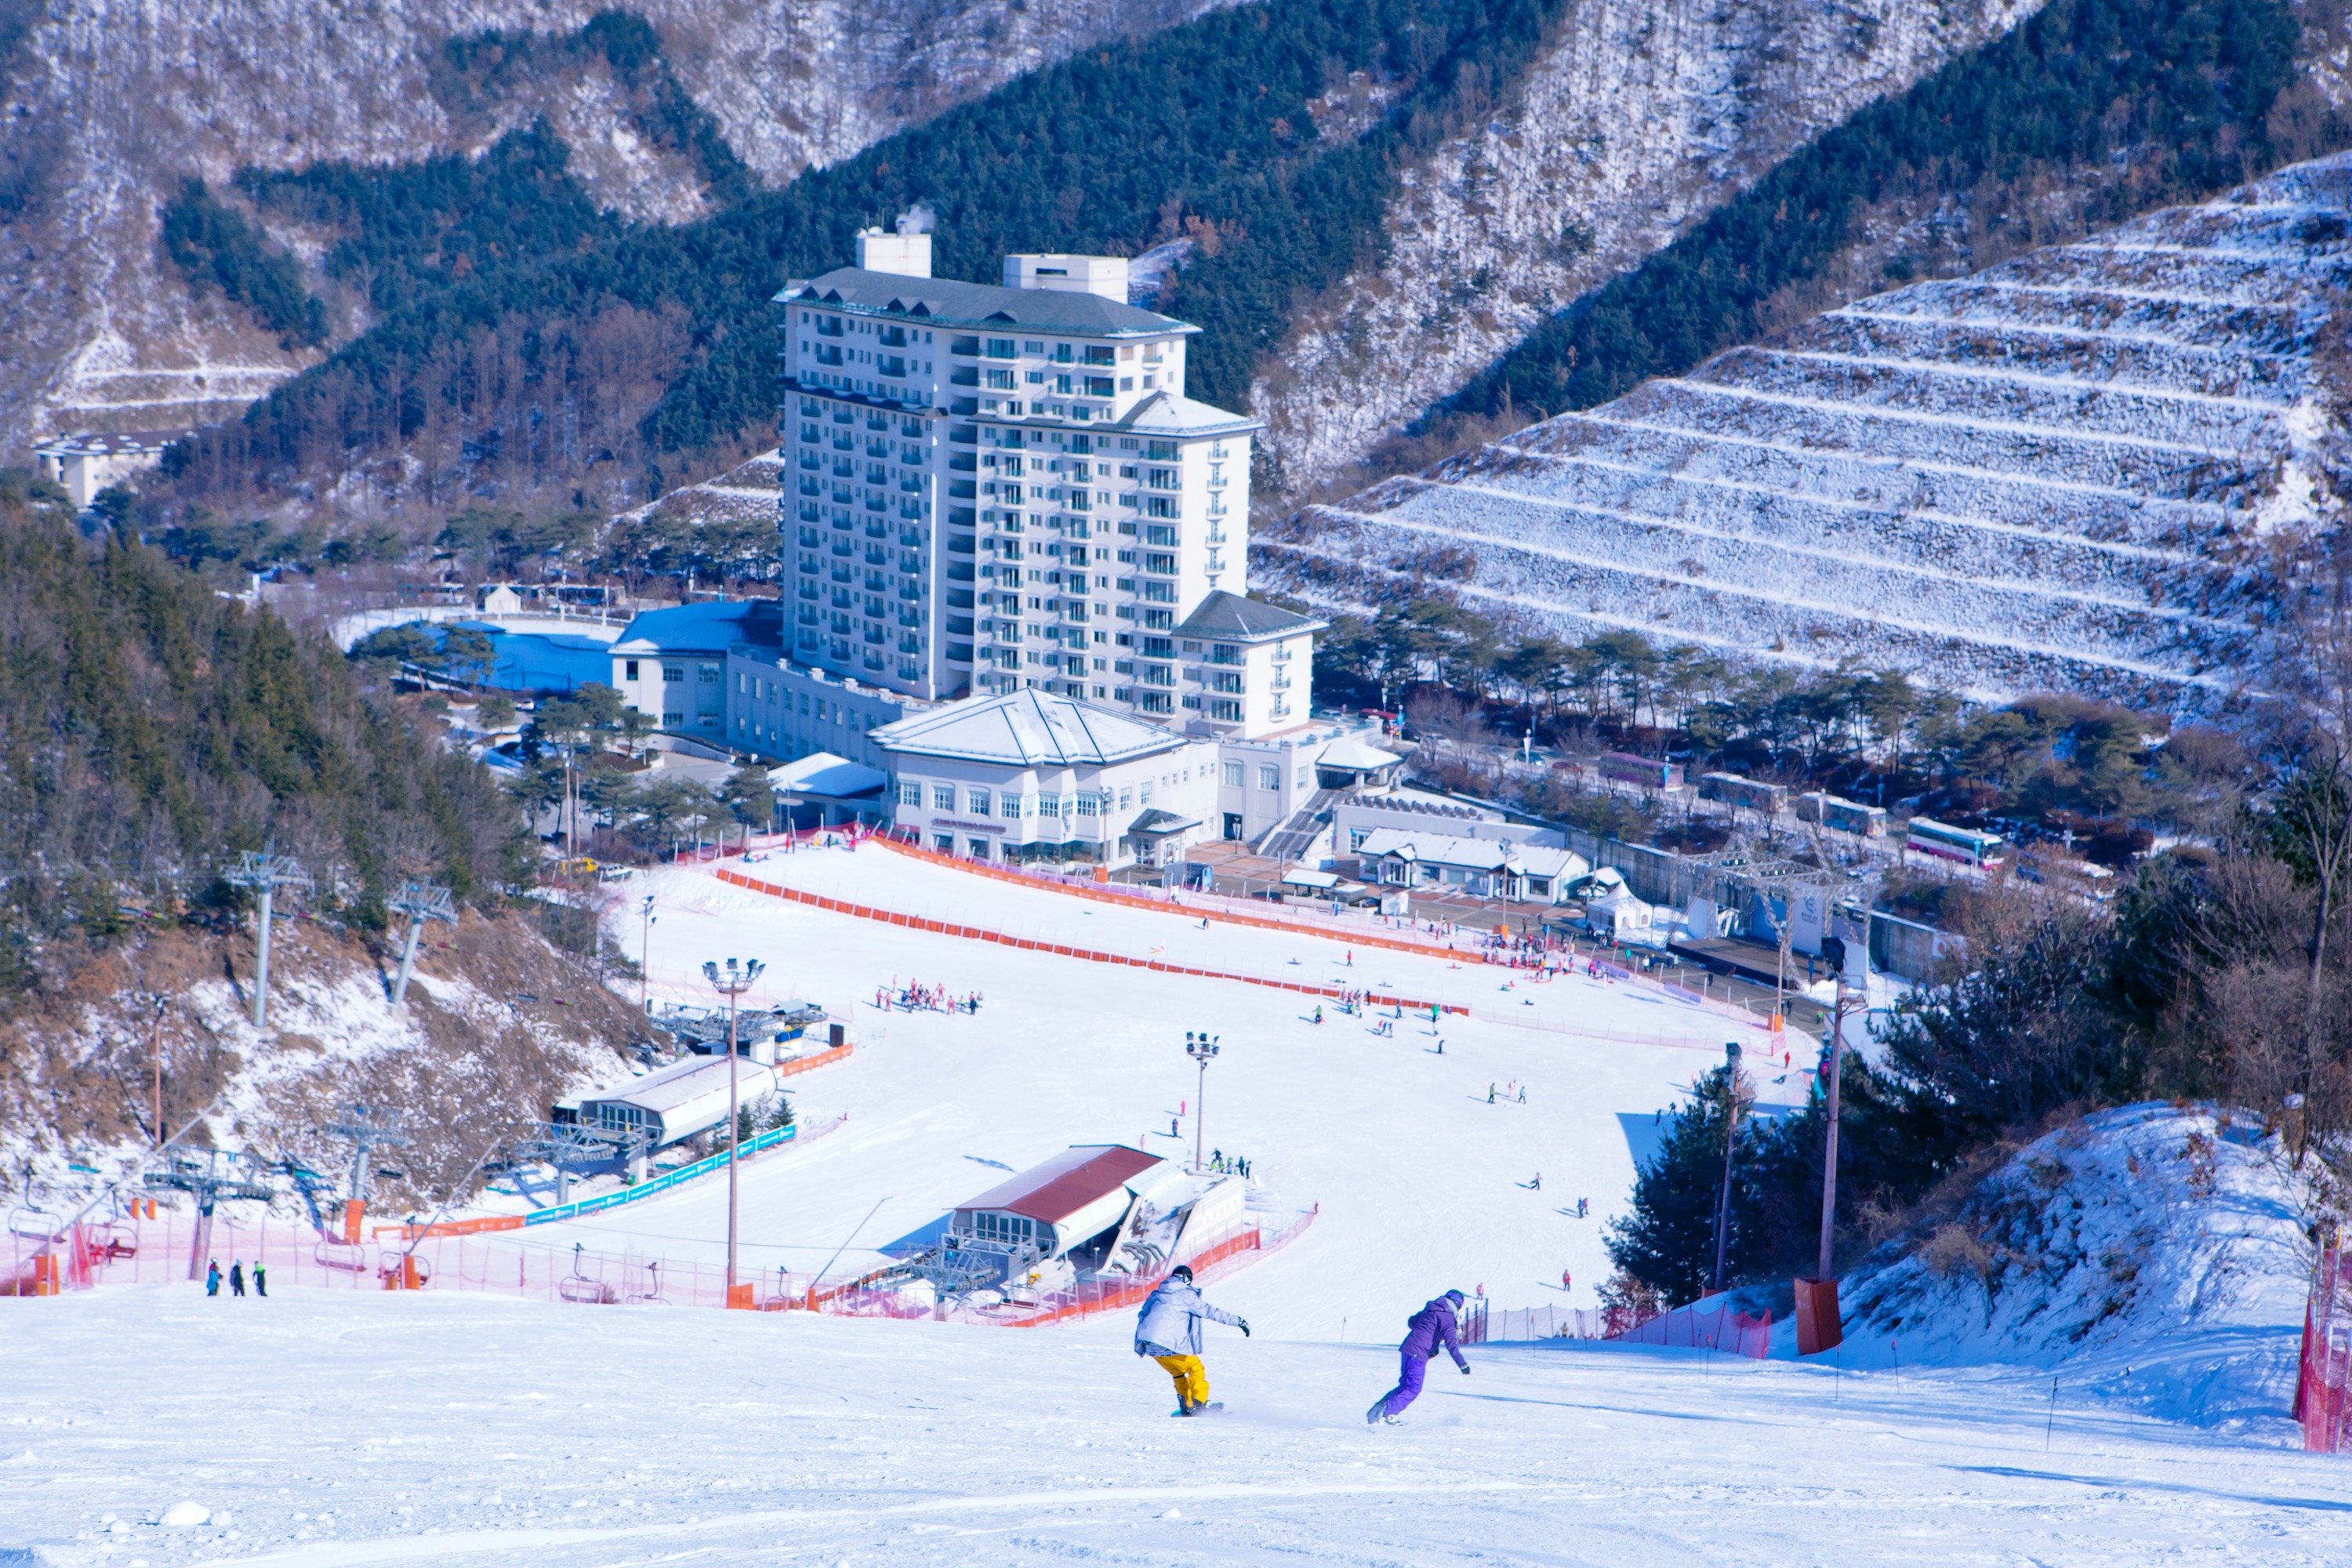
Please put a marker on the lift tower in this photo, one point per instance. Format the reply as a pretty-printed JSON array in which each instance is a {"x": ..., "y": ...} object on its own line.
[
  {"x": 369, "y": 1128},
  {"x": 420, "y": 902},
  {"x": 209, "y": 1175},
  {"x": 265, "y": 873}
]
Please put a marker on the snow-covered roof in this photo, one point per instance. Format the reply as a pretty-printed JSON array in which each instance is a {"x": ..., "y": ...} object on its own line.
[
  {"x": 1068, "y": 1184},
  {"x": 110, "y": 444},
  {"x": 1026, "y": 729},
  {"x": 1435, "y": 849},
  {"x": 823, "y": 773},
  {"x": 1472, "y": 854},
  {"x": 684, "y": 1082},
  {"x": 1358, "y": 755},
  {"x": 1302, "y": 878},
  {"x": 1239, "y": 619},
  {"x": 1172, "y": 414}
]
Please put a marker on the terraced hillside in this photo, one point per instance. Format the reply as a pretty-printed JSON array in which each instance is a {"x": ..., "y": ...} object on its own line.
[{"x": 2012, "y": 482}]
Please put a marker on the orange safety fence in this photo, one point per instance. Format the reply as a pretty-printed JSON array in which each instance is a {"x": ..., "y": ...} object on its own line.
[
  {"x": 1129, "y": 901},
  {"x": 981, "y": 933}
]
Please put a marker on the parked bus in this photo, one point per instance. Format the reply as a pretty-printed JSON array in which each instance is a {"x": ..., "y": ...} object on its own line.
[
  {"x": 1846, "y": 815},
  {"x": 1747, "y": 793},
  {"x": 1626, "y": 768},
  {"x": 1929, "y": 837}
]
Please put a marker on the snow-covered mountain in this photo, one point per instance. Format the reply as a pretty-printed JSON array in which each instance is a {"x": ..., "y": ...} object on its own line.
[
  {"x": 109, "y": 103},
  {"x": 2012, "y": 482},
  {"x": 1638, "y": 118}
]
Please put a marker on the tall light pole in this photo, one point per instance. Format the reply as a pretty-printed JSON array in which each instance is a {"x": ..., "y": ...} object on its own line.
[
  {"x": 1203, "y": 1048},
  {"x": 1731, "y": 1141},
  {"x": 731, "y": 982},
  {"x": 645, "y": 957}
]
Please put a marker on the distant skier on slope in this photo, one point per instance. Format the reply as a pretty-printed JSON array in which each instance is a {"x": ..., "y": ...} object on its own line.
[
  {"x": 1426, "y": 1333},
  {"x": 1167, "y": 1329}
]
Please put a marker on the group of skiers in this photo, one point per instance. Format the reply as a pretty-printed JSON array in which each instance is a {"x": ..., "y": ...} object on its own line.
[
  {"x": 916, "y": 997},
  {"x": 236, "y": 1278},
  {"x": 1167, "y": 1329}
]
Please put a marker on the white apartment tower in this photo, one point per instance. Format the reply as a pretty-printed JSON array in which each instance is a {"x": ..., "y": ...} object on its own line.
[{"x": 995, "y": 489}]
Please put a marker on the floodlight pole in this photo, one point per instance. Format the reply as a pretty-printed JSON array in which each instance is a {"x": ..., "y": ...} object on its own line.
[
  {"x": 1202, "y": 1048},
  {"x": 731, "y": 982},
  {"x": 264, "y": 873},
  {"x": 420, "y": 902},
  {"x": 1731, "y": 1141}
]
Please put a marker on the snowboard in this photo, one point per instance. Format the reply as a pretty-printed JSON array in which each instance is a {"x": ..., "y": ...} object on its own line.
[{"x": 1211, "y": 1408}]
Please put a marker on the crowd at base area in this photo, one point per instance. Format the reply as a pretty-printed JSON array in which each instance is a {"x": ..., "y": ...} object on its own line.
[
  {"x": 916, "y": 997},
  {"x": 237, "y": 1278},
  {"x": 1167, "y": 1329}
]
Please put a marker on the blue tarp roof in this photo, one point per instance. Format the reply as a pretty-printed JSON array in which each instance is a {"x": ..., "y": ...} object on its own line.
[
  {"x": 712, "y": 625},
  {"x": 539, "y": 661}
]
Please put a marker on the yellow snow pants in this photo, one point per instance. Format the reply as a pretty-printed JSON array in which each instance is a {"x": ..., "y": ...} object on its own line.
[{"x": 1192, "y": 1377}]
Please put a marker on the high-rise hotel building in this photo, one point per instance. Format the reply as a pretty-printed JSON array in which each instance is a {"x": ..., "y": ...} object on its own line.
[{"x": 997, "y": 488}]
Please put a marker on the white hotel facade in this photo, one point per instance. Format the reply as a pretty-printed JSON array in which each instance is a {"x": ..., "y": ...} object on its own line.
[{"x": 993, "y": 490}]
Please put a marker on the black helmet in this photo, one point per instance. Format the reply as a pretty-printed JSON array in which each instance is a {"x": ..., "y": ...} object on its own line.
[{"x": 1181, "y": 1272}]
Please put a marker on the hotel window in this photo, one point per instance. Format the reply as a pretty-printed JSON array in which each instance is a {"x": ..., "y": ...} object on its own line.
[
  {"x": 909, "y": 793},
  {"x": 944, "y": 797},
  {"x": 1269, "y": 776},
  {"x": 1233, "y": 775},
  {"x": 977, "y": 803}
]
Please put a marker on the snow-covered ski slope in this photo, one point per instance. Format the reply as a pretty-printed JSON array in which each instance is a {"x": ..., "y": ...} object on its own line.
[
  {"x": 1416, "y": 1175},
  {"x": 2009, "y": 482},
  {"x": 337, "y": 1430}
]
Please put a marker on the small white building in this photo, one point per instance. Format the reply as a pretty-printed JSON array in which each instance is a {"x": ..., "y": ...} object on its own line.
[
  {"x": 1481, "y": 868},
  {"x": 85, "y": 465},
  {"x": 1031, "y": 777}
]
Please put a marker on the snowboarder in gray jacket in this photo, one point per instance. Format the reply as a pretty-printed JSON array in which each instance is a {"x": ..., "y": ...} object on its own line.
[
  {"x": 1426, "y": 1333},
  {"x": 1167, "y": 1329}
]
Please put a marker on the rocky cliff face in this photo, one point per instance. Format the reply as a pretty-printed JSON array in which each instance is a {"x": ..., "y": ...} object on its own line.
[
  {"x": 1640, "y": 116},
  {"x": 110, "y": 103}
]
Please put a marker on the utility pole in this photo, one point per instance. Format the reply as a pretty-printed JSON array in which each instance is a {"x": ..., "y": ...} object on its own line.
[
  {"x": 1731, "y": 1141},
  {"x": 420, "y": 902},
  {"x": 731, "y": 982},
  {"x": 1832, "y": 947},
  {"x": 1203, "y": 1048},
  {"x": 370, "y": 1129},
  {"x": 645, "y": 957},
  {"x": 156, "y": 1059},
  {"x": 265, "y": 873}
]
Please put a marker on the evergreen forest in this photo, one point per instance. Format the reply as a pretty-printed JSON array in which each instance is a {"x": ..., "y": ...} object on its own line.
[{"x": 152, "y": 729}]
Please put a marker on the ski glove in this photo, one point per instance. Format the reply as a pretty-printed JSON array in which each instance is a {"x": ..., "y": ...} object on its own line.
[{"x": 1244, "y": 1327}]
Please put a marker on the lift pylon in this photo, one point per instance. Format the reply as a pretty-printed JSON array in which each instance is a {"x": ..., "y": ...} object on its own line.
[
  {"x": 369, "y": 1128},
  {"x": 420, "y": 901},
  {"x": 265, "y": 873}
]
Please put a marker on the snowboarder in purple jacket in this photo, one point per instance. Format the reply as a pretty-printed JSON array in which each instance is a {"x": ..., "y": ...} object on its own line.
[{"x": 1428, "y": 1332}]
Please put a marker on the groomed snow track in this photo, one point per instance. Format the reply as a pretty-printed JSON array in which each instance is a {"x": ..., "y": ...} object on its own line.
[{"x": 2003, "y": 483}]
